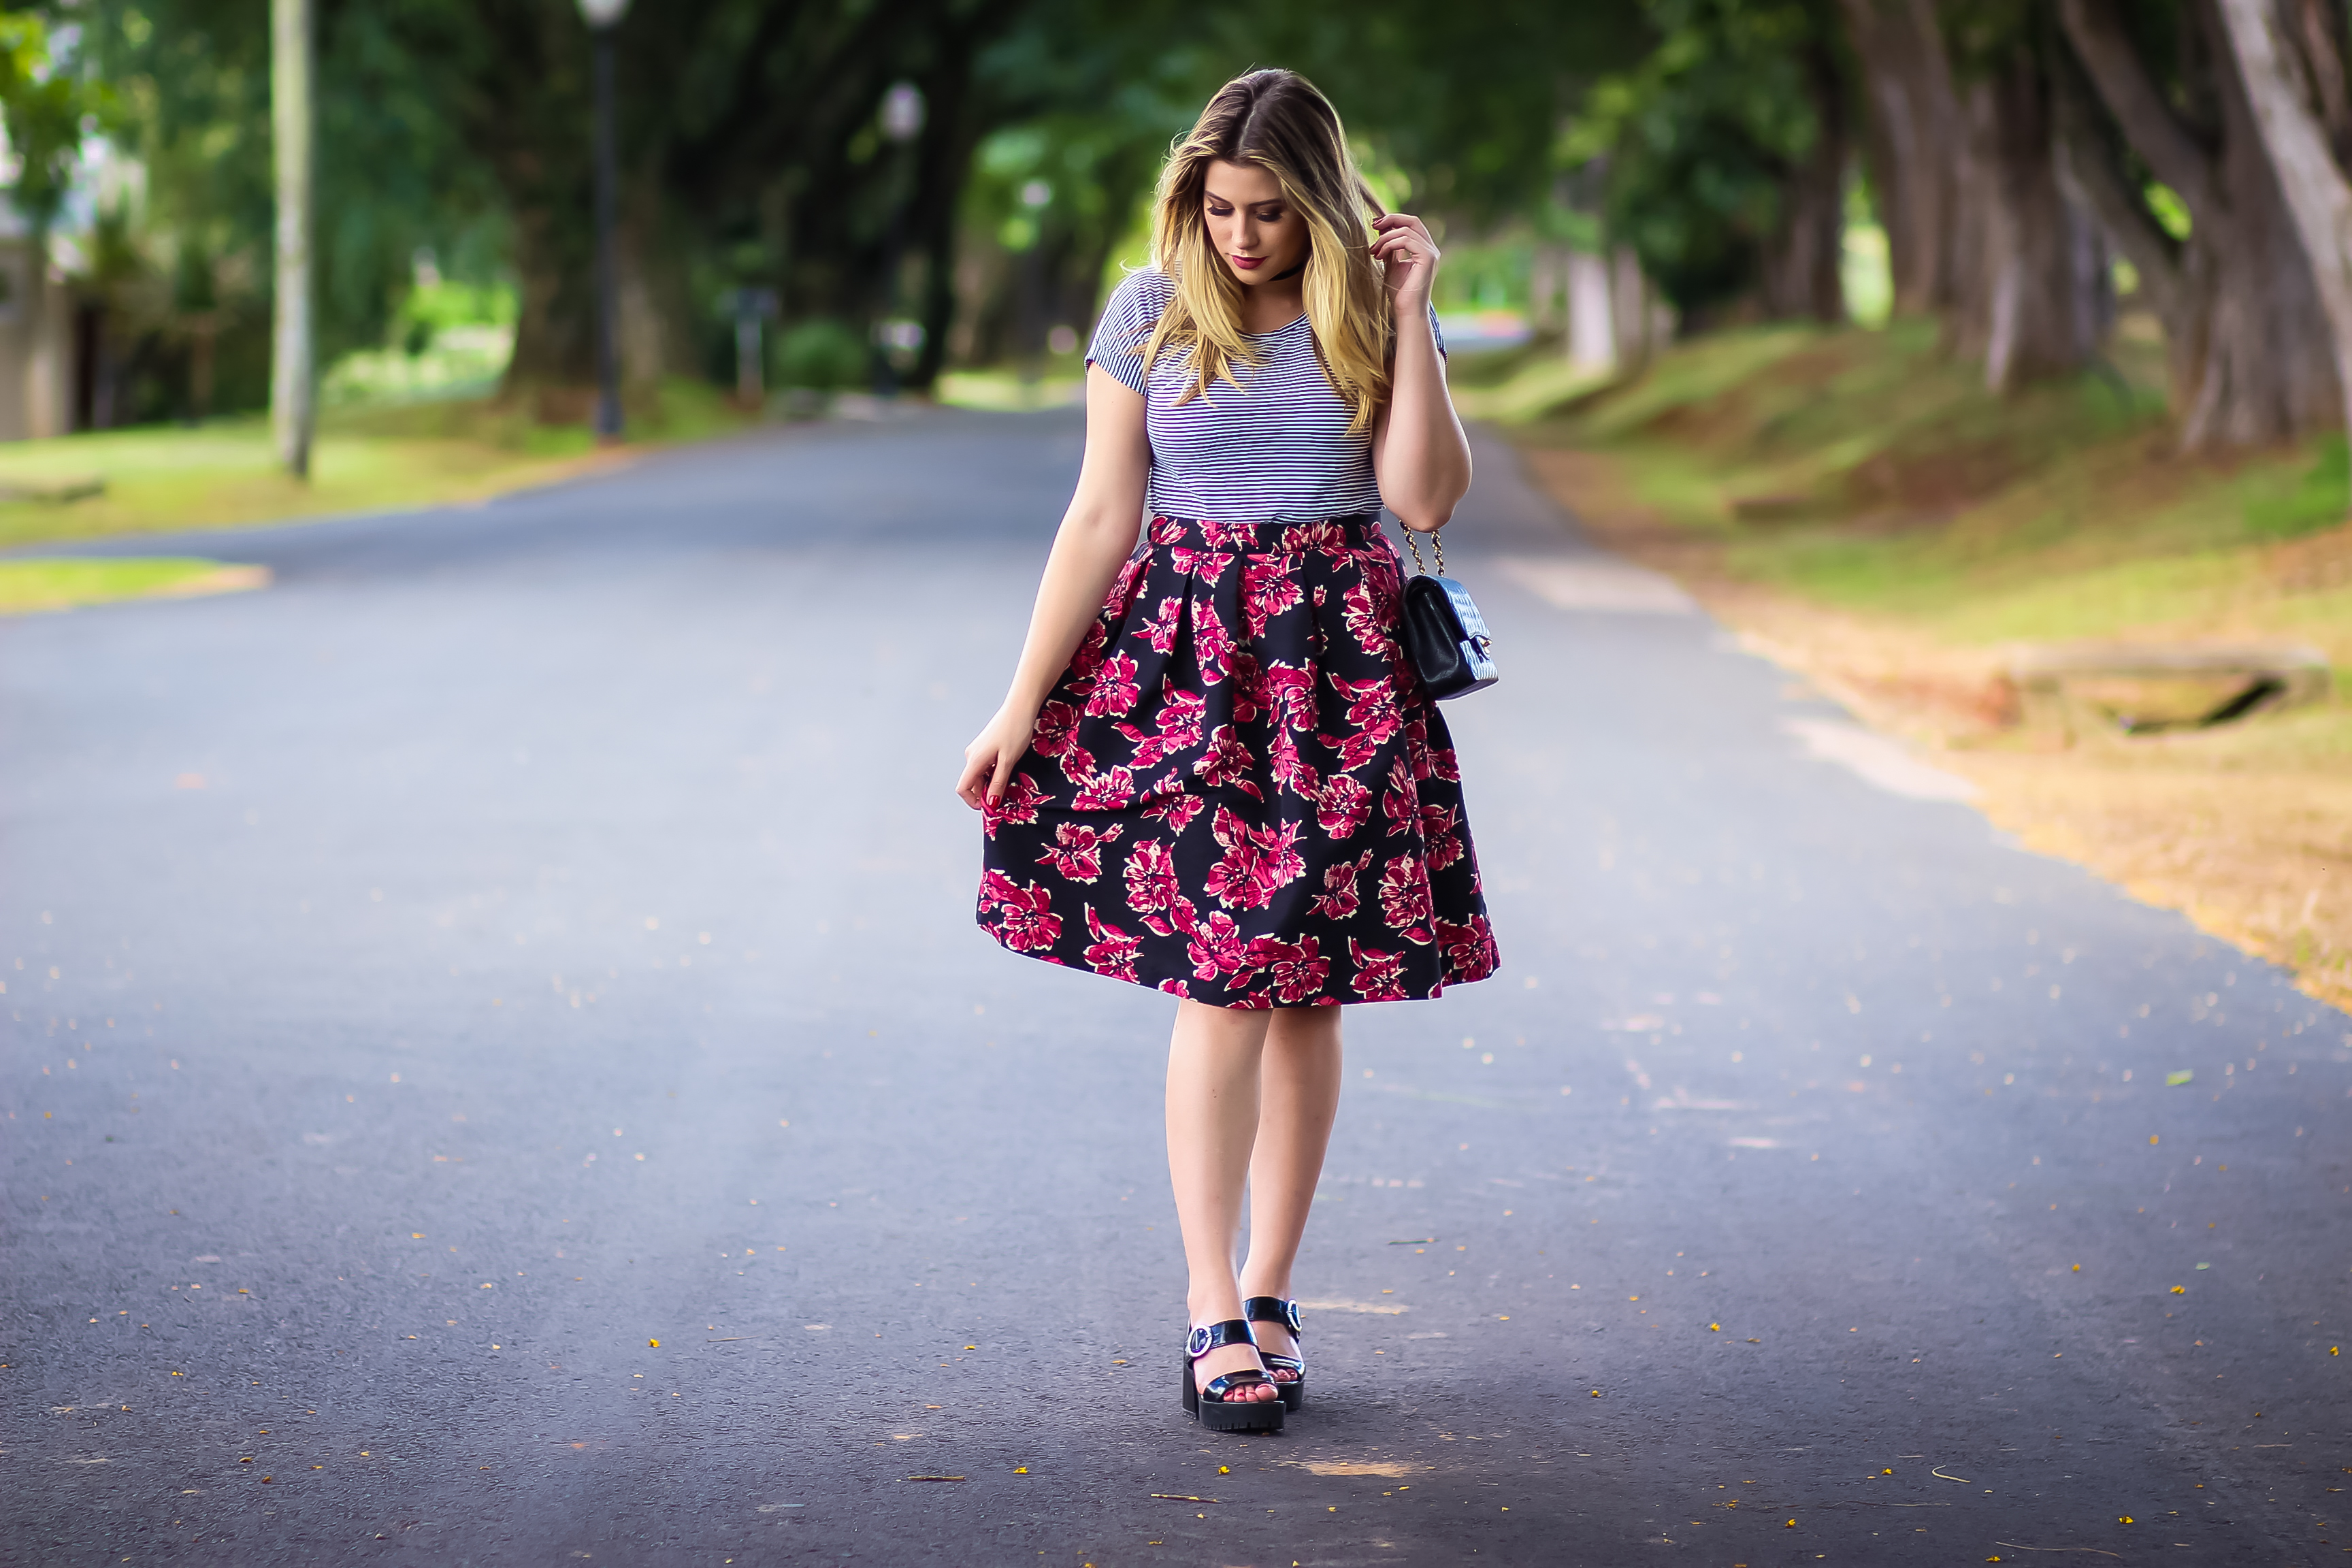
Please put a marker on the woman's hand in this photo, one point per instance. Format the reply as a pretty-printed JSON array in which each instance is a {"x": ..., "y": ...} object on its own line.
[
  {"x": 1411, "y": 257},
  {"x": 988, "y": 761}
]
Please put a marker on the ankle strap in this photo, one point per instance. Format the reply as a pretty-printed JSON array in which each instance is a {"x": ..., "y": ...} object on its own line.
[
  {"x": 1272, "y": 1309},
  {"x": 1232, "y": 1332}
]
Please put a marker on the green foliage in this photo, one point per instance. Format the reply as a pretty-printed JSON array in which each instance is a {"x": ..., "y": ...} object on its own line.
[
  {"x": 825, "y": 355},
  {"x": 43, "y": 102},
  {"x": 2316, "y": 502},
  {"x": 1700, "y": 138}
]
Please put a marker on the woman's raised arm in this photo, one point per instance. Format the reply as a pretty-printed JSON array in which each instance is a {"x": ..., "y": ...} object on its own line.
[
  {"x": 1419, "y": 452},
  {"x": 1097, "y": 534}
]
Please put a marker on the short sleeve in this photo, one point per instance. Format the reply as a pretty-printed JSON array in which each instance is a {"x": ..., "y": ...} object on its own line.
[
  {"x": 1438, "y": 333},
  {"x": 1126, "y": 322}
]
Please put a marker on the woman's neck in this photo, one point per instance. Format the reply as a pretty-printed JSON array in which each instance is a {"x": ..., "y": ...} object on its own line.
[{"x": 1270, "y": 305}]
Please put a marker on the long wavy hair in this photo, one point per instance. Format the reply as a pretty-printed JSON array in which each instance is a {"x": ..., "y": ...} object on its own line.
[{"x": 1277, "y": 120}]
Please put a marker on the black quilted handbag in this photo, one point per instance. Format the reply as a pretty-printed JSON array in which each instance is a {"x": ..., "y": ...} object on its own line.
[{"x": 1445, "y": 635}]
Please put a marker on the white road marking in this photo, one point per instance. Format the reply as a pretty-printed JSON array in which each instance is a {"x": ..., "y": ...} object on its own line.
[
  {"x": 1597, "y": 583},
  {"x": 1877, "y": 760}
]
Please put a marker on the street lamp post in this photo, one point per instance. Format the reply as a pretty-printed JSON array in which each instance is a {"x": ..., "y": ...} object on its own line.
[
  {"x": 602, "y": 17},
  {"x": 902, "y": 120}
]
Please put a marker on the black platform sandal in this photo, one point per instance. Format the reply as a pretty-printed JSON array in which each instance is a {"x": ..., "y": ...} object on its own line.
[
  {"x": 1216, "y": 1411},
  {"x": 1274, "y": 1309}
]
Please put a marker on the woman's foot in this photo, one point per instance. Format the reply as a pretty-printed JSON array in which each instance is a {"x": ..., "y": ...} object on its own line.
[
  {"x": 1239, "y": 1399},
  {"x": 1227, "y": 1359}
]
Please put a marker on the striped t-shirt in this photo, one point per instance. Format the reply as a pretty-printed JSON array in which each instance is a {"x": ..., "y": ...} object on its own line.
[{"x": 1278, "y": 450}]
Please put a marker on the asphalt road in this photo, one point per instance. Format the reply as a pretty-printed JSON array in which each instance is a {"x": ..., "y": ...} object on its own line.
[{"x": 529, "y": 932}]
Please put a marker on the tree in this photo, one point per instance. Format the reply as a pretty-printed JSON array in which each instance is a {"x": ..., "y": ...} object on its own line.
[
  {"x": 2296, "y": 86},
  {"x": 1726, "y": 151},
  {"x": 42, "y": 102},
  {"x": 293, "y": 372},
  {"x": 2028, "y": 289},
  {"x": 2236, "y": 291}
]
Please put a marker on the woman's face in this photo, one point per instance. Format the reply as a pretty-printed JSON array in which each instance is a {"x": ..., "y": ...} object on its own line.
[{"x": 1252, "y": 224}]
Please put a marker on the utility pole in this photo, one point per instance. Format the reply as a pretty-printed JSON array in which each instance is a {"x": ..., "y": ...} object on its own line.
[
  {"x": 293, "y": 71},
  {"x": 602, "y": 17}
]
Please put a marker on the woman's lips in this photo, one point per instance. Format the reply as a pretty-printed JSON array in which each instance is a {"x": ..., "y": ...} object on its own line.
[{"x": 1246, "y": 262}]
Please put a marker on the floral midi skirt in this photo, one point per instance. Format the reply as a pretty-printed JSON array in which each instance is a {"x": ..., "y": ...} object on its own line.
[{"x": 1239, "y": 791}]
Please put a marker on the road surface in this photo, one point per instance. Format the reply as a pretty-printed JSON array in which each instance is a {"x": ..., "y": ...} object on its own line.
[{"x": 529, "y": 932}]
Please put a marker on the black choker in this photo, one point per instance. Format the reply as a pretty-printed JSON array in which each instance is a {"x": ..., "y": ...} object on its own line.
[{"x": 1285, "y": 276}]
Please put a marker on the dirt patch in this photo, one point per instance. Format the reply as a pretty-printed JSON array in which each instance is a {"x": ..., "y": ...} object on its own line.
[{"x": 2253, "y": 848}]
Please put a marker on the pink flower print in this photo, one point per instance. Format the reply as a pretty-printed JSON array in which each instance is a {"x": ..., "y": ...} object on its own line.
[
  {"x": 1399, "y": 802},
  {"x": 1203, "y": 565},
  {"x": 1257, "y": 861},
  {"x": 1215, "y": 948},
  {"x": 1115, "y": 690},
  {"x": 1294, "y": 971},
  {"x": 1228, "y": 761},
  {"x": 1166, "y": 531},
  {"x": 1229, "y": 535},
  {"x": 1121, "y": 597},
  {"x": 1057, "y": 730},
  {"x": 1176, "y": 988},
  {"x": 1404, "y": 897},
  {"x": 1113, "y": 950},
  {"x": 1291, "y": 770},
  {"x": 1076, "y": 850},
  {"x": 1112, "y": 791},
  {"x": 1469, "y": 948},
  {"x": 1025, "y": 920},
  {"x": 1290, "y": 693},
  {"x": 1443, "y": 764},
  {"x": 1327, "y": 536},
  {"x": 1019, "y": 806},
  {"x": 1176, "y": 811},
  {"x": 1159, "y": 631},
  {"x": 1337, "y": 901},
  {"x": 1372, "y": 706},
  {"x": 1180, "y": 713},
  {"x": 1249, "y": 688},
  {"x": 1057, "y": 737},
  {"x": 1268, "y": 589},
  {"x": 1441, "y": 845},
  {"x": 1152, "y": 885},
  {"x": 1212, "y": 645},
  {"x": 1370, "y": 619},
  {"x": 1089, "y": 657},
  {"x": 1379, "y": 976},
  {"x": 1341, "y": 806}
]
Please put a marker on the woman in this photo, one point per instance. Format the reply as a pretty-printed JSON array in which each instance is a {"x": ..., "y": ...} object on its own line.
[{"x": 1215, "y": 772}]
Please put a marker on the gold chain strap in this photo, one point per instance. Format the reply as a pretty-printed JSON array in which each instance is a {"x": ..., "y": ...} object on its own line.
[{"x": 1436, "y": 542}]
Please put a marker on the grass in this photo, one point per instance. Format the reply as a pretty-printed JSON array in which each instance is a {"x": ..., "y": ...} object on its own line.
[
  {"x": 59, "y": 583},
  {"x": 225, "y": 471},
  {"x": 1858, "y": 502}
]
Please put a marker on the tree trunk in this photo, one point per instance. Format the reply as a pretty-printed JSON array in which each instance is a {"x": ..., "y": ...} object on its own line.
[
  {"x": 293, "y": 68},
  {"x": 1913, "y": 143},
  {"x": 1801, "y": 275},
  {"x": 2252, "y": 362},
  {"x": 2028, "y": 304},
  {"x": 2292, "y": 128}
]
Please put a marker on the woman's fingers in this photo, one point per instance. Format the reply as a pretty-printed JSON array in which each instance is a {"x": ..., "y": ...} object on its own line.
[
  {"x": 1003, "y": 771},
  {"x": 977, "y": 764}
]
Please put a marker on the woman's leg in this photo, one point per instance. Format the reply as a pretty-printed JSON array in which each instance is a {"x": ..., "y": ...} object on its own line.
[
  {"x": 1212, "y": 1124},
  {"x": 1298, "y": 1095}
]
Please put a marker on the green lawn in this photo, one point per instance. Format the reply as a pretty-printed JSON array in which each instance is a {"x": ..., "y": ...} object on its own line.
[
  {"x": 60, "y": 583},
  {"x": 162, "y": 479}
]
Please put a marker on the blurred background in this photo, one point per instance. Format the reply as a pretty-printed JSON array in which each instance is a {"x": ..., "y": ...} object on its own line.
[{"x": 1899, "y": 330}]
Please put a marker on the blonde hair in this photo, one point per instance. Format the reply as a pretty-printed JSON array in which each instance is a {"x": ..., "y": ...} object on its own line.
[{"x": 1277, "y": 121}]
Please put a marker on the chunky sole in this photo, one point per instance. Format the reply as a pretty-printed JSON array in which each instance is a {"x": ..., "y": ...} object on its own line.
[
  {"x": 1215, "y": 1415},
  {"x": 1294, "y": 1395}
]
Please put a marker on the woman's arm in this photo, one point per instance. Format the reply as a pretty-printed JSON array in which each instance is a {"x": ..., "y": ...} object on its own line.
[
  {"x": 1098, "y": 533},
  {"x": 1418, "y": 453}
]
